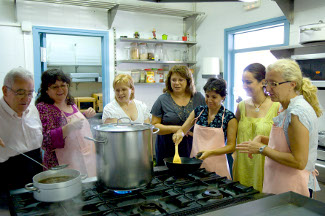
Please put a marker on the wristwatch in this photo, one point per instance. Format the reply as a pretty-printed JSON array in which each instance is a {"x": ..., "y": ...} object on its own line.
[{"x": 262, "y": 149}]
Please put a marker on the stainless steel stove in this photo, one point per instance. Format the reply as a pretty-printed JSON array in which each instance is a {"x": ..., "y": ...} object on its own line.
[{"x": 193, "y": 194}]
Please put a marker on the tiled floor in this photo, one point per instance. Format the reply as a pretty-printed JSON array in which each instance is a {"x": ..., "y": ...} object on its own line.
[{"x": 321, "y": 194}]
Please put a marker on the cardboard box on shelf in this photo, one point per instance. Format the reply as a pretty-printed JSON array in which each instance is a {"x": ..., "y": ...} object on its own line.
[
  {"x": 98, "y": 96},
  {"x": 99, "y": 106},
  {"x": 83, "y": 103}
]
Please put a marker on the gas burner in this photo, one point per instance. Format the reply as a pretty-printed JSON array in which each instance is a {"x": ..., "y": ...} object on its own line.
[
  {"x": 122, "y": 191},
  {"x": 213, "y": 194},
  {"x": 150, "y": 208}
]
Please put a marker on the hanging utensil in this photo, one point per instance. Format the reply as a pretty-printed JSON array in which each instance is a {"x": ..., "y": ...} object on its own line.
[
  {"x": 52, "y": 168},
  {"x": 176, "y": 158}
]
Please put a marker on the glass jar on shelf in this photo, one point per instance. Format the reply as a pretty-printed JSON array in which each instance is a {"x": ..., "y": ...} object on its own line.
[
  {"x": 134, "y": 51},
  {"x": 151, "y": 52},
  {"x": 159, "y": 52},
  {"x": 135, "y": 74},
  {"x": 143, "y": 50}
]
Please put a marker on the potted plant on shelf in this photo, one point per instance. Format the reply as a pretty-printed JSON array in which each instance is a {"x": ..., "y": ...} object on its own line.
[
  {"x": 136, "y": 35},
  {"x": 184, "y": 37}
]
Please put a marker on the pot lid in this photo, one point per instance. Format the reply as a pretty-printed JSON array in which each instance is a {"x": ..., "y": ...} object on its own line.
[{"x": 122, "y": 127}]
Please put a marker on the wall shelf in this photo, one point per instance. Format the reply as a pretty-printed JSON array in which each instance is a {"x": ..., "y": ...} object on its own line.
[
  {"x": 288, "y": 51},
  {"x": 135, "y": 40},
  {"x": 112, "y": 8},
  {"x": 156, "y": 62}
]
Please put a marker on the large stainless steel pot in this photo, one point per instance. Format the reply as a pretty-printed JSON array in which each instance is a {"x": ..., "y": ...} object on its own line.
[
  {"x": 55, "y": 192},
  {"x": 124, "y": 155}
]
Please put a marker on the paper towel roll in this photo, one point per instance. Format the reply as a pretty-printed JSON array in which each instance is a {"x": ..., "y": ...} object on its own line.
[{"x": 211, "y": 66}]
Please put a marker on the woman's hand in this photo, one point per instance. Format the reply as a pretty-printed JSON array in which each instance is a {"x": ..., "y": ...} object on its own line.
[
  {"x": 72, "y": 126},
  {"x": 90, "y": 112},
  {"x": 204, "y": 154},
  {"x": 250, "y": 147},
  {"x": 178, "y": 137}
]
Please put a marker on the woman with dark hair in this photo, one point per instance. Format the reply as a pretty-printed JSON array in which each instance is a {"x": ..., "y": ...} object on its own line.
[
  {"x": 171, "y": 109},
  {"x": 214, "y": 125},
  {"x": 254, "y": 117},
  {"x": 64, "y": 126}
]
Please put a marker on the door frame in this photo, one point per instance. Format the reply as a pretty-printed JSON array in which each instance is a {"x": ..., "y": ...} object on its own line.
[
  {"x": 229, "y": 52},
  {"x": 39, "y": 41}
]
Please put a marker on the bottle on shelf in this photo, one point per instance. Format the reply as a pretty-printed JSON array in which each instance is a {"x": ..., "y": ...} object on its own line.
[
  {"x": 159, "y": 52},
  {"x": 142, "y": 76}
]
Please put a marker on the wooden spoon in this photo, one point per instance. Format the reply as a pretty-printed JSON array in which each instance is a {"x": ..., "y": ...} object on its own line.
[{"x": 176, "y": 158}]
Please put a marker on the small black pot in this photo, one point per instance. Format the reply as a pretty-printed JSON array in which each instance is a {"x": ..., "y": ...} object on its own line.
[{"x": 188, "y": 165}]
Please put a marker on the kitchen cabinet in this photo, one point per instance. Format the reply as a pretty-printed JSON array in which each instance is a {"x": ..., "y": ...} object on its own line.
[
  {"x": 78, "y": 55},
  {"x": 73, "y": 50}
]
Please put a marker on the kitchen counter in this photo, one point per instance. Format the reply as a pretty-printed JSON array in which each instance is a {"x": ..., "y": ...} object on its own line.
[{"x": 284, "y": 204}]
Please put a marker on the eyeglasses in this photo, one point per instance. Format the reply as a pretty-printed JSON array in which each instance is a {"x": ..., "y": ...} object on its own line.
[
  {"x": 179, "y": 80},
  {"x": 273, "y": 84},
  {"x": 56, "y": 87},
  {"x": 21, "y": 92}
]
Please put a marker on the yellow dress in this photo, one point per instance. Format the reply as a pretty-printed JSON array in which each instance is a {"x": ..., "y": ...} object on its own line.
[{"x": 250, "y": 172}]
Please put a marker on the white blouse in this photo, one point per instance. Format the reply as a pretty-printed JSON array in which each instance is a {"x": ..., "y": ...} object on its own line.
[
  {"x": 114, "y": 110},
  {"x": 300, "y": 107}
]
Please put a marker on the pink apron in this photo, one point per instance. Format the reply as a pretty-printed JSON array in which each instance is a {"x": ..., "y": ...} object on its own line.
[
  {"x": 207, "y": 138},
  {"x": 78, "y": 152},
  {"x": 279, "y": 178}
]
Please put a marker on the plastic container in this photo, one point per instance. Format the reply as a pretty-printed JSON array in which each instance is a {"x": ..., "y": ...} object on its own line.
[
  {"x": 136, "y": 76},
  {"x": 159, "y": 76},
  {"x": 165, "y": 75},
  {"x": 143, "y": 50},
  {"x": 150, "y": 76},
  {"x": 135, "y": 51}
]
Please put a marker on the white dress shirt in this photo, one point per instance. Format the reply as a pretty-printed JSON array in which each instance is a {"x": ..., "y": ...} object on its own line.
[{"x": 21, "y": 133}]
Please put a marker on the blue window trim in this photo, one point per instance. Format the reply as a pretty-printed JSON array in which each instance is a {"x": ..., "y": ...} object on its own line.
[
  {"x": 229, "y": 51},
  {"x": 39, "y": 37}
]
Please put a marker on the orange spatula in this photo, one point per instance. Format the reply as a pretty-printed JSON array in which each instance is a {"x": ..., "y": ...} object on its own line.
[{"x": 176, "y": 159}]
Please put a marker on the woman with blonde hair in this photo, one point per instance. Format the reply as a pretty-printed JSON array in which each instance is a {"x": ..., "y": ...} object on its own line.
[
  {"x": 171, "y": 110},
  {"x": 124, "y": 104},
  {"x": 291, "y": 148},
  {"x": 254, "y": 117}
]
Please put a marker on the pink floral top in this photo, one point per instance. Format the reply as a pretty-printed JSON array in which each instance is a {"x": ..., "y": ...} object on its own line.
[{"x": 52, "y": 121}]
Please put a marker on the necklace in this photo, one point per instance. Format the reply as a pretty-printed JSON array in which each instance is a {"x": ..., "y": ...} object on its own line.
[{"x": 257, "y": 109}]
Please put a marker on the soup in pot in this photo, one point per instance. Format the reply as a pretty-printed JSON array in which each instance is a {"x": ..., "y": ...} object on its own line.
[{"x": 55, "y": 179}]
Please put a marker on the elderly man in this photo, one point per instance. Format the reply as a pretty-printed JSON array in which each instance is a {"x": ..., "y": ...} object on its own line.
[{"x": 20, "y": 130}]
